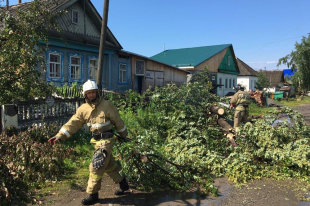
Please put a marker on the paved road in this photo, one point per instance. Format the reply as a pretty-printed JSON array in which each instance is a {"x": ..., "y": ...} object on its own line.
[{"x": 304, "y": 110}]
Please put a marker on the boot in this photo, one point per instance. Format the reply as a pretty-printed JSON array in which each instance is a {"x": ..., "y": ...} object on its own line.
[
  {"x": 123, "y": 186},
  {"x": 91, "y": 199}
]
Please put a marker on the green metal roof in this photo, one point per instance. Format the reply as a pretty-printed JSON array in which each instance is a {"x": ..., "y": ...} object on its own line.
[{"x": 189, "y": 56}]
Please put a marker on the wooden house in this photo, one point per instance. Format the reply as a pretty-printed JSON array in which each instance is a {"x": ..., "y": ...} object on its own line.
[
  {"x": 275, "y": 78},
  {"x": 146, "y": 72},
  {"x": 218, "y": 59},
  {"x": 72, "y": 53}
]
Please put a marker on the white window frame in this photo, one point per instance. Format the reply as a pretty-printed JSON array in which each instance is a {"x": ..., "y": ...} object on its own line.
[
  {"x": 122, "y": 73},
  {"x": 54, "y": 67},
  {"x": 76, "y": 67},
  {"x": 73, "y": 12},
  {"x": 93, "y": 68},
  {"x": 140, "y": 74}
]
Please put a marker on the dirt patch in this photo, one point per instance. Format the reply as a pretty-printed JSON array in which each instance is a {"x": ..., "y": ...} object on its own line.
[
  {"x": 263, "y": 192},
  {"x": 267, "y": 192}
]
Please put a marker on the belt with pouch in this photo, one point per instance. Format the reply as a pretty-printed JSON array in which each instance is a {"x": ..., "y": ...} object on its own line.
[{"x": 104, "y": 135}]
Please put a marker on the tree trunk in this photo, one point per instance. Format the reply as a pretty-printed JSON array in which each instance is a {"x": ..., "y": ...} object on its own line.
[
  {"x": 217, "y": 110},
  {"x": 224, "y": 124}
]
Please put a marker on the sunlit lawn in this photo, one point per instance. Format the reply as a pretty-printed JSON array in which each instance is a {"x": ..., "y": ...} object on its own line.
[
  {"x": 254, "y": 109},
  {"x": 293, "y": 102}
]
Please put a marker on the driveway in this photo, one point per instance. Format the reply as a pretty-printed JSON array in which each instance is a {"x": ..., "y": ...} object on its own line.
[{"x": 304, "y": 109}]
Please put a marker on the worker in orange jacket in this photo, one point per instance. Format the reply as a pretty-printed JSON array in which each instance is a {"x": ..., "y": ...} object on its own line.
[{"x": 100, "y": 116}]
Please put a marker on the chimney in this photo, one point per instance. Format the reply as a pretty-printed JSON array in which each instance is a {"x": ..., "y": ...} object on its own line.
[{"x": 19, "y": 1}]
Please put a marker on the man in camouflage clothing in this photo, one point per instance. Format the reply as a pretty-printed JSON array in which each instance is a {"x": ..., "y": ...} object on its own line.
[
  {"x": 240, "y": 101},
  {"x": 100, "y": 116}
]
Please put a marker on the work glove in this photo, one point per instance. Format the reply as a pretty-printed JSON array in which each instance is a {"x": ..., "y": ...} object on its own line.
[
  {"x": 99, "y": 158},
  {"x": 53, "y": 140}
]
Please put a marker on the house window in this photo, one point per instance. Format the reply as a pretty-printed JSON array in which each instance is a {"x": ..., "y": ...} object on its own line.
[
  {"x": 75, "y": 67},
  {"x": 234, "y": 82},
  {"x": 122, "y": 73},
  {"x": 213, "y": 78},
  {"x": 140, "y": 68},
  {"x": 226, "y": 83},
  {"x": 229, "y": 83},
  {"x": 228, "y": 60},
  {"x": 75, "y": 16},
  {"x": 54, "y": 65},
  {"x": 93, "y": 68},
  {"x": 220, "y": 81}
]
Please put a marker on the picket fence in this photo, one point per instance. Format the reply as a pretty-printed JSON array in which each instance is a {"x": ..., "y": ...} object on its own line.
[{"x": 38, "y": 112}]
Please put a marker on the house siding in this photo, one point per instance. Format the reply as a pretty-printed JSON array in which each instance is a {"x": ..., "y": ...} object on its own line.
[
  {"x": 156, "y": 74},
  {"x": 213, "y": 63},
  {"x": 228, "y": 64},
  {"x": 248, "y": 82},
  {"x": 85, "y": 55},
  {"x": 64, "y": 21},
  {"x": 114, "y": 74}
]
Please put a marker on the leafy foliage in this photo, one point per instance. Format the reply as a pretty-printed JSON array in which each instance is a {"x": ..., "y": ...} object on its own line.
[
  {"x": 176, "y": 143},
  {"x": 74, "y": 90},
  {"x": 262, "y": 81},
  {"x": 20, "y": 54},
  {"x": 175, "y": 131},
  {"x": 299, "y": 60},
  {"x": 28, "y": 160}
]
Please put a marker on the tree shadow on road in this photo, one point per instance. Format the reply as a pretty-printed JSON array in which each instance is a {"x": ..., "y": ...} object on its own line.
[{"x": 156, "y": 198}]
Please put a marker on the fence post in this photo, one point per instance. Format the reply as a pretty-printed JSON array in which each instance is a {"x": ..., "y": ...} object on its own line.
[{"x": 9, "y": 116}]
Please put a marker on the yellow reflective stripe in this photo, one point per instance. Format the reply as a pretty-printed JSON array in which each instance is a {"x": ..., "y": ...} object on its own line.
[{"x": 95, "y": 176}]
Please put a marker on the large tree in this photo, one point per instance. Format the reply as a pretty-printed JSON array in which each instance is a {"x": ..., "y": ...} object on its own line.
[
  {"x": 21, "y": 54},
  {"x": 300, "y": 60}
]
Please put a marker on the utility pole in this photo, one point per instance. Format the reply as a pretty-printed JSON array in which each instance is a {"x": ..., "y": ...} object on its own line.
[
  {"x": 103, "y": 35},
  {"x": 7, "y": 4}
]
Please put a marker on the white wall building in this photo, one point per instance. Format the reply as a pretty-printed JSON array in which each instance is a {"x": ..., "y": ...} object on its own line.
[{"x": 247, "y": 77}]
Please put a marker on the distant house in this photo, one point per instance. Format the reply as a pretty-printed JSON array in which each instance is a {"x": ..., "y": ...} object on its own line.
[
  {"x": 275, "y": 78},
  {"x": 247, "y": 76},
  {"x": 218, "y": 59}
]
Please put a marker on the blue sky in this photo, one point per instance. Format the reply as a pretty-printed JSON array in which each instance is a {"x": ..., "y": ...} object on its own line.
[{"x": 261, "y": 31}]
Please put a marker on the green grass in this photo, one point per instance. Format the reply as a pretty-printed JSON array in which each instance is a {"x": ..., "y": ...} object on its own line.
[
  {"x": 76, "y": 172},
  {"x": 254, "y": 109},
  {"x": 293, "y": 102}
]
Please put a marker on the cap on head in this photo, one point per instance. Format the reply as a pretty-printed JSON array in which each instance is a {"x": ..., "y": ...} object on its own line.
[{"x": 89, "y": 85}]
